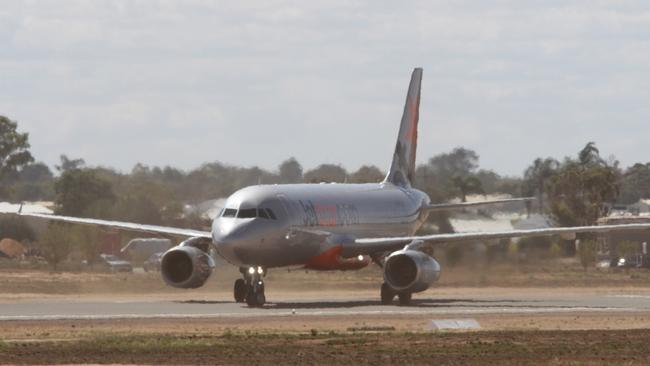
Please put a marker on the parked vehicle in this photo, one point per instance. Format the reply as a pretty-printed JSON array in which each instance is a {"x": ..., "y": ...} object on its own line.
[
  {"x": 608, "y": 263},
  {"x": 153, "y": 263},
  {"x": 114, "y": 263},
  {"x": 634, "y": 261}
]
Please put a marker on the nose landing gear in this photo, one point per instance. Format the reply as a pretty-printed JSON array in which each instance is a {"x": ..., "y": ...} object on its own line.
[{"x": 250, "y": 289}]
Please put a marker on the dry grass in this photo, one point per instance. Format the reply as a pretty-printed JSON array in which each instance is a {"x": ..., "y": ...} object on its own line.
[{"x": 315, "y": 348}]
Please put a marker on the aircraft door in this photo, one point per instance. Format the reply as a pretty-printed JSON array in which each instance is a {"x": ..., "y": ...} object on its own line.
[{"x": 286, "y": 207}]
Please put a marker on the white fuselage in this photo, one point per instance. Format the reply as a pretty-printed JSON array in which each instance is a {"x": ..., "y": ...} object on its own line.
[{"x": 281, "y": 225}]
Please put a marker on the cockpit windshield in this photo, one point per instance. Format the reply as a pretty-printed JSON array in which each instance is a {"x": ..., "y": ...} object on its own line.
[
  {"x": 249, "y": 213},
  {"x": 229, "y": 212}
]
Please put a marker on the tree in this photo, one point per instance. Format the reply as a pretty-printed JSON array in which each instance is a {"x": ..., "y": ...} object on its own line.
[
  {"x": 14, "y": 147},
  {"x": 635, "y": 184},
  {"x": 460, "y": 161},
  {"x": 15, "y": 227},
  {"x": 36, "y": 172},
  {"x": 290, "y": 171},
  {"x": 56, "y": 244},
  {"x": 536, "y": 177},
  {"x": 467, "y": 184},
  {"x": 143, "y": 201},
  {"x": 589, "y": 155},
  {"x": 490, "y": 181},
  {"x": 367, "y": 174},
  {"x": 509, "y": 185},
  {"x": 436, "y": 176},
  {"x": 69, "y": 164},
  {"x": 328, "y": 173},
  {"x": 34, "y": 182},
  {"x": 587, "y": 253},
  {"x": 82, "y": 192},
  {"x": 580, "y": 189}
]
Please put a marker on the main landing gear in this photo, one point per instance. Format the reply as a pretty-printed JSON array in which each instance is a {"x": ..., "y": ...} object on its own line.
[
  {"x": 387, "y": 296},
  {"x": 250, "y": 289}
]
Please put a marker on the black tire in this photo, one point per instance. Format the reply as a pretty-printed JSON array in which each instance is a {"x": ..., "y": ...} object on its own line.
[
  {"x": 405, "y": 298},
  {"x": 256, "y": 298},
  {"x": 240, "y": 290},
  {"x": 260, "y": 299},
  {"x": 387, "y": 294},
  {"x": 252, "y": 298}
]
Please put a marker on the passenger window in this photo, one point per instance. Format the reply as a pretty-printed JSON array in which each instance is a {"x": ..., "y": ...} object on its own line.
[
  {"x": 247, "y": 213},
  {"x": 263, "y": 214},
  {"x": 229, "y": 212},
  {"x": 271, "y": 214}
]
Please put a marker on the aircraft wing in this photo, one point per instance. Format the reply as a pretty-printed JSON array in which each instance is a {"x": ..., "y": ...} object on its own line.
[
  {"x": 374, "y": 245},
  {"x": 455, "y": 206},
  {"x": 152, "y": 229}
]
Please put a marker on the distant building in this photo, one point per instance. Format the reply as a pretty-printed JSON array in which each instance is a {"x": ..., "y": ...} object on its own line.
[
  {"x": 39, "y": 226},
  {"x": 638, "y": 213}
]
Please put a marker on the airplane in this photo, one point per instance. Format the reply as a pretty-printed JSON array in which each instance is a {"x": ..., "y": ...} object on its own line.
[{"x": 327, "y": 226}]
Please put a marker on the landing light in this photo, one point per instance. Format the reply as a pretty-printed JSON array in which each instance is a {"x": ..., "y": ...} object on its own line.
[
  {"x": 360, "y": 258},
  {"x": 251, "y": 270},
  {"x": 260, "y": 270}
]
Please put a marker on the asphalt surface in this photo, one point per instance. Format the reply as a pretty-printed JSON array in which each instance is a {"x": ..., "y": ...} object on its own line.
[{"x": 505, "y": 303}]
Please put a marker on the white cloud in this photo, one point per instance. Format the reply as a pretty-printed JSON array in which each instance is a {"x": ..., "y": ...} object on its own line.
[{"x": 180, "y": 83}]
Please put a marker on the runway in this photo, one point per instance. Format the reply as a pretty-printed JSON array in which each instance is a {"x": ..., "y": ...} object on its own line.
[{"x": 505, "y": 302}]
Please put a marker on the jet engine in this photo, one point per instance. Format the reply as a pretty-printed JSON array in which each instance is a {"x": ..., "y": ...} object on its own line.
[
  {"x": 410, "y": 271},
  {"x": 185, "y": 266}
]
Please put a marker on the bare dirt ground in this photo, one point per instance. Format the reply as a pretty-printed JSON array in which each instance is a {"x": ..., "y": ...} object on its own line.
[{"x": 595, "y": 347}]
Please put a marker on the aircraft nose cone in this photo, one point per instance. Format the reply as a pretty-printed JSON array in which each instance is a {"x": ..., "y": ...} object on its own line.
[
  {"x": 231, "y": 240},
  {"x": 229, "y": 234}
]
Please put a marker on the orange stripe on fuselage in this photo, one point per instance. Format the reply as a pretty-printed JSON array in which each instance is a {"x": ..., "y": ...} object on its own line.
[
  {"x": 326, "y": 215},
  {"x": 331, "y": 260}
]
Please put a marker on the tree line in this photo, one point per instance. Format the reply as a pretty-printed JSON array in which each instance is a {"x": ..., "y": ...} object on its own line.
[{"x": 574, "y": 191}]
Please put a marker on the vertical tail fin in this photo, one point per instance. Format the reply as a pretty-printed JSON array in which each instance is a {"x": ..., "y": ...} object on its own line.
[{"x": 402, "y": 169}]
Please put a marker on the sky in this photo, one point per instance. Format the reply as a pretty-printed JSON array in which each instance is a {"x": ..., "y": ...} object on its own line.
[{"x": 249, "y": 83}]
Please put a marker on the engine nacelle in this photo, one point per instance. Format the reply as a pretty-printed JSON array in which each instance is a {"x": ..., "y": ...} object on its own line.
[
  {"x": 410, "y": 271},
  {"x": 186, "y": 267}
]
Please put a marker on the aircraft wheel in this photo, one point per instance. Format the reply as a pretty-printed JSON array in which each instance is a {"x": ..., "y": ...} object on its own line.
[
  {"x": 255, "y": 295},
  {"x": 387, "y": 294},
  {"x": 405, "y": 298},
  {"x": 240, "y": 290},
  {"x": 255, "y": 299},
  {"x": 261, "y": 299},
  {"x": 251, "y": 299}
]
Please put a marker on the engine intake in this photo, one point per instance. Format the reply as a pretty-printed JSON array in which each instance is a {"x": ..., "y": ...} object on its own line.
[
  {"x": 186, "y": 267},
  {"x": 410, "y": 271}
]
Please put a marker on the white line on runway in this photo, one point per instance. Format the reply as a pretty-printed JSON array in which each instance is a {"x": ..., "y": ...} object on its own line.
[
  {"x": 632, "y": 296},
  {"x": 318, "y": 313}
]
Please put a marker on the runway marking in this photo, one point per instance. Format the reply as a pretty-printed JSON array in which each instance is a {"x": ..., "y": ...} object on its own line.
[
  {"x": 631, "y": 296},
  {"x": 316, "y": 313}
]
